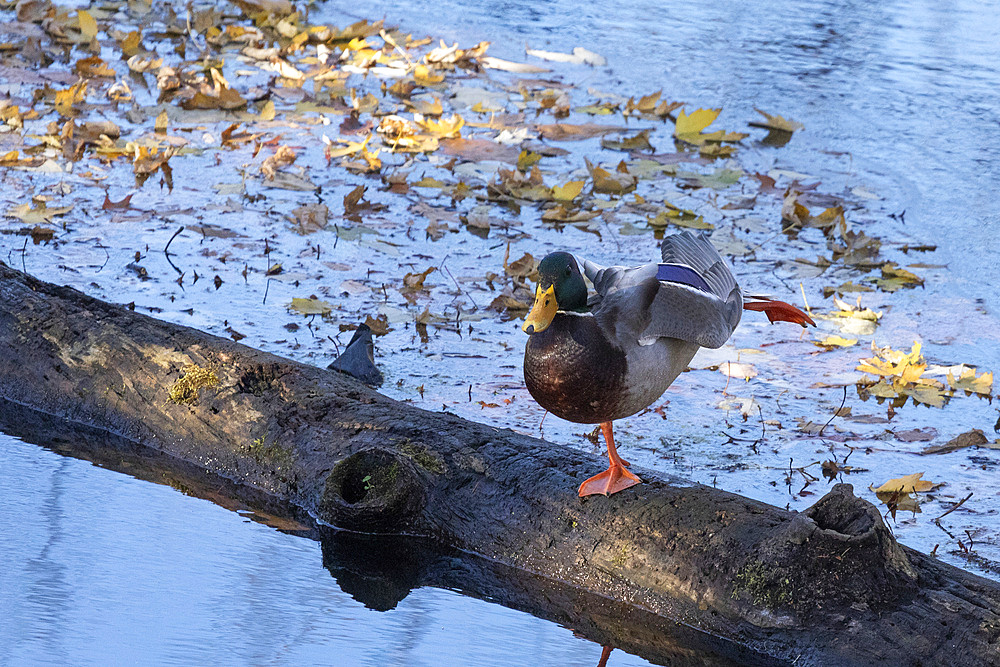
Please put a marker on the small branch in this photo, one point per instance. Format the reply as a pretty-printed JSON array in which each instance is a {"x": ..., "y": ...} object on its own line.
[
  {"x": 167, "y": 254},
  {"x": 835, "y": 413},
  {"x": 954, "y": 507}
]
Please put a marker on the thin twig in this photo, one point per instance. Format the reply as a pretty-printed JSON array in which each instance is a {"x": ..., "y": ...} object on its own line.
[
  {"x": 954, "y": 507},
  {"x": 461, "y": 290},
  {"x": 167, "y": 254},
  {"x": 836, "y": 412}
]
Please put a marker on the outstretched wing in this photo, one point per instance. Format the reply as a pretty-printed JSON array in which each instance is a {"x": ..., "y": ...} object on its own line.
[{"x": 691, "y": 295}]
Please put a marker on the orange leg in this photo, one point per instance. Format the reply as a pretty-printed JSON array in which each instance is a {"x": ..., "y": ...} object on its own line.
[
  {"x": 605, "y": 654},
  {"x": 616, "y": 478}
]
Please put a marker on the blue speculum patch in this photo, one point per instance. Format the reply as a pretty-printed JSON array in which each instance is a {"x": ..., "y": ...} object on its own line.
[{"x": 685, "y": 275}]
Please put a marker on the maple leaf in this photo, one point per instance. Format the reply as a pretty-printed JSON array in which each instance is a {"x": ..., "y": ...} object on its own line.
[
  {"x": 971, "y": 383},
  {"x": 776, "y": 122},
  {"x": 311, "y": 306},
  {"x": 906, "y": 484}
]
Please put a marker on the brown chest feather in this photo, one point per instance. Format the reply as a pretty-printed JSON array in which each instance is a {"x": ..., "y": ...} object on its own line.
[{"x": 574, "y": 372}]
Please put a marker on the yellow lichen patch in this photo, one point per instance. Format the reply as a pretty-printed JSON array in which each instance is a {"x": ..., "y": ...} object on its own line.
[{"x": 185, "y": 389}]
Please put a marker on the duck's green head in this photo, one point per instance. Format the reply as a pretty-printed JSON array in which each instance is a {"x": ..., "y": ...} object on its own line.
[{"x": 560, "y": 287}]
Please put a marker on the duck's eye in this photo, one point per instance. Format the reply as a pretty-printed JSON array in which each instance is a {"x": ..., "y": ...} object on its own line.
[{"x": 569, "y": 271}]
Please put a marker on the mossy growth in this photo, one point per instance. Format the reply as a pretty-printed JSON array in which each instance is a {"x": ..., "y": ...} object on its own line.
[
  {"x": 185, "y": 389},
  {"x": 423, "y": 457},
  {"x": 621, "y": 556},
  {"x": 382, "y": 478},
  {"x": 768, "y": 587},
  {"x": 273, "y": 455}
]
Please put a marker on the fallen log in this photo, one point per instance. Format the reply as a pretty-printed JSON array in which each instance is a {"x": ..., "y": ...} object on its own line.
[
  {"x": 829, "y": 585},
  {"x": 381, "y": 570}
]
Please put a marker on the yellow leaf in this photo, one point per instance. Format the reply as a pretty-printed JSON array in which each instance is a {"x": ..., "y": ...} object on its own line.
[
  {"x": 160, "y": 124},
  {"x": 426, "y": 108},
  {"x": 527, "y": 159},
  {"x": 836, "y": 341},
  {"x": 695, "y": 122},
  {"x": 350, "y": 148},
  {"x": 969, "y": 382},
  {"x": 310, "y": 306},
  {"x": 776, "y": 122},
  {"x": 267, "y": 111},
  {"x": 425, "y": 77},
  {"x": 88, "y": 26},
  {"x": 908, "y": 484},
  {"x": 37, "y": 215},
  {"x": 444, "y": 127},
  {"x": 569, "y": 191},
  {"x": 428, "y": 182},
  {"x": 617, "y": 183}
]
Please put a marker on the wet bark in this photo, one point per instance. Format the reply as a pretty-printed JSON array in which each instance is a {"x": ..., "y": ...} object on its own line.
[{"x": 826, "y": 586}]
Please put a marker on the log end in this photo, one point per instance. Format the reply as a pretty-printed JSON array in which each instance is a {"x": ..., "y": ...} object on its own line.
[{"x": 836, "y": 555}]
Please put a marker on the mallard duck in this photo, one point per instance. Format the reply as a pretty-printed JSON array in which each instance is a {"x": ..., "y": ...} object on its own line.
[{"x": 593, "y": 363}]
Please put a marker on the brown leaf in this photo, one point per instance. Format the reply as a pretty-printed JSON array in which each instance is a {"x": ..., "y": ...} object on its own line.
[
  {"x": 973, "y": 438},
  {"x": 478, "y": 150},
  {"x": 109, "y": 205},
  {"x": 283, "y": 157},
  {"x": 568, "y": 132},
  {"x": 379, "y": 325}
]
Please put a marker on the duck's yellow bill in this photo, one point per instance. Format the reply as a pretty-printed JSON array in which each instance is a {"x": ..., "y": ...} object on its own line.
[{"x": 542, "y": 312}]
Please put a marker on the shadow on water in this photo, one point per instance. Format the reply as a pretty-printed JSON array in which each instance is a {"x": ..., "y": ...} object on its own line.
[{"x": 380, "y": 571}]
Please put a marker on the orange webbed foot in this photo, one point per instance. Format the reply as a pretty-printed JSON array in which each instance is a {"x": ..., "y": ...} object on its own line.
[{"x": 614, "y": 479}]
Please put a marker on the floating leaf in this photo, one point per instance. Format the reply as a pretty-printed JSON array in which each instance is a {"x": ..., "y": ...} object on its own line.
[
  {"x": 971, "y": 383},
  {"x": 568, "y": 191},
  {"x": 569, "y": 132},
  {"x": 88, "y": 26},
  {"x": 38, "y": 214},
  {"x": 907, "y": 484},
  {"x": 831, "y": 342},
  {"x": 775, "y": 122},
  {"x": 311, "y": 306},
  {"x": 638, "y": 142}
]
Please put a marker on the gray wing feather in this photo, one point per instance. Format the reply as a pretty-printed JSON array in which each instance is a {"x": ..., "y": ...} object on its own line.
[
  {"x": 699, "y": 253},
  {"x": 646, "y": 308}
]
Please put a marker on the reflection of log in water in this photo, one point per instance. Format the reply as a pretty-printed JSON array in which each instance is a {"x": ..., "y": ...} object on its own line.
[
  {"x": 380, "y": 571},
  {"x": 826, "y": 586}
]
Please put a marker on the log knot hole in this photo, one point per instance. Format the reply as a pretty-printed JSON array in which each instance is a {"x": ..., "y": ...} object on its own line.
[
  {"x": 838, "y": 551},
  {"x": 258, "y": 379},
  {"x": 373, "y": 491}
]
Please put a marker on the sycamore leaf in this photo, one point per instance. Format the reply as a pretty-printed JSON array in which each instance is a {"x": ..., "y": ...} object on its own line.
[
  {"x": 970, "y": 383},
  {"x": 638, "y": 142},
  {"x": 444, "y": 127},
  {"x": 831, "y": 342},
  {"x": 618, "y": 182},
  {"x": 907, "y": 484},
  {"x": 37, "y": 215},
  {"x": 425, "y": 108},
  {"x": 689, "y": 126},
  {"x": 561, "y": 214},
  {"x": 568, "y": 191},
  {"x": 775, "y": 122},
  {"x": 88, "y": 26},
  {"x": 424, "y": 76},
  {"x": 569, "y": 132},
  {"x": 349, "y": 148},
  {"x": 415, "y": 281},
  {"x": 310, "y": 306},
  {"x": 527, "y": 159}
]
